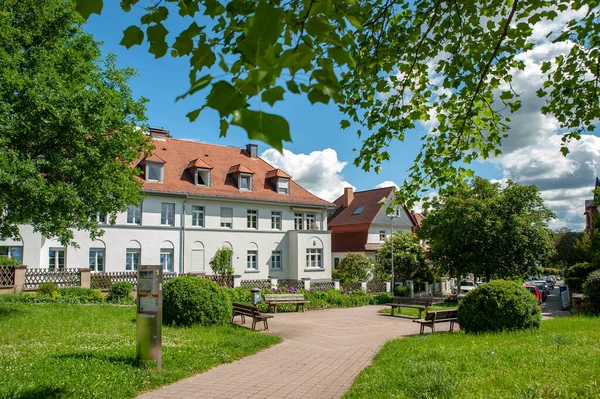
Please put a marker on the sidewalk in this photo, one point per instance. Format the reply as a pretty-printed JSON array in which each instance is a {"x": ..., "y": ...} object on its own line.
[{"x": 321, "y": 354}]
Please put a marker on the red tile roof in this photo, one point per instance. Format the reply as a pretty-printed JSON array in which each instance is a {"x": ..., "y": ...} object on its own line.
[
  {"x": 240, "y": 168},
  {"x": 198, "y": 163},
  {"x": 368, "y": 199},
  {"x": 177, "y": 154},
  {"x": 277, "y": 173},
  {"x": 155, "y": 158}
]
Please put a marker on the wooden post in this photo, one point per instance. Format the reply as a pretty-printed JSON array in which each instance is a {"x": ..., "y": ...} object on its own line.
[{"x": 19, "y": 282}]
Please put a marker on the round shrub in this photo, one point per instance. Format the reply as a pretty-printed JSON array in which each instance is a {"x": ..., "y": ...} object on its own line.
[
  {"x": 191, "y": 300},
  {"x": 120, "y": 292},
  {"x": 383, "y": 298},
  {"x": 591, "y": 289},
  {"x": 402, "y": 290},
  {"x": 499, "y": 306},
  {"x": 47, "y": 289}
]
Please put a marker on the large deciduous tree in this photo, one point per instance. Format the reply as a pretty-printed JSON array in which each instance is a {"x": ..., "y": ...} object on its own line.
[
  {"x": 568, "y": 252},
  {"x": 69, "y": 127},
  {"x": 353, "y": 269},
  {"x": 409, "y": 260},
  {"x": 488, "y": 231},
  {"x": 388, "y": 64}
]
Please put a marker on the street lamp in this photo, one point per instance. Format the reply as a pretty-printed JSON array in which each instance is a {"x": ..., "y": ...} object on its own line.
[{"x": 392, "y": 215}]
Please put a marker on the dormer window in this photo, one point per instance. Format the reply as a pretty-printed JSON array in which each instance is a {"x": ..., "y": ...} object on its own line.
[
  {"x": 283, "y": 185},
  {"x": 203, "y": 177},
  {"x": 154, "y": 171},
  {"x": 245, "y": 182}
]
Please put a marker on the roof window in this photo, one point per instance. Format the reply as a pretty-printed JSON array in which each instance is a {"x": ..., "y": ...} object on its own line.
[{"x": 358, "y": 210}]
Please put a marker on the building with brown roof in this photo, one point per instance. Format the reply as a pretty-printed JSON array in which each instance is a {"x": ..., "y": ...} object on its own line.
[
  {"x": 201, "y": 197},
  {"x": 359, "y": 223},
  {"x": 591, "y": 208}
]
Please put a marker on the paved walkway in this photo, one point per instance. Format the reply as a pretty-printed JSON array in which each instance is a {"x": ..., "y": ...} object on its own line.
[
  {"x": 321, "y": 354},
  {"x": 553, "y": 305}
]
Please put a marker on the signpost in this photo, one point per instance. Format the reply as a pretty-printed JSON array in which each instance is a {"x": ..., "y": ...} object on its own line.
[{"x": 149, "y": 314}]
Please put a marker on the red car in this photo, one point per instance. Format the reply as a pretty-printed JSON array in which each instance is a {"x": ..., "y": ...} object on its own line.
[{"x": 534, "y": 290}]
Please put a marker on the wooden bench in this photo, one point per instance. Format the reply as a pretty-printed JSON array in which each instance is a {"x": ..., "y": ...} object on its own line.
[
  {"x": 240, "y": 309},
  {"x": 440, "y": 316},
  {"x": 422, "y": 304},
  {"x": 283, "y": 299}
]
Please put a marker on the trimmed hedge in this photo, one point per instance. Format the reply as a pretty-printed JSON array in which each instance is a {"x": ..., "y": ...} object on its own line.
[
  {"x": 189, "y": 300},
  {"x": 72, "y": 295},
  {"x": 591, "y": 289},
  {"x": 402, "y": 290},
  {"x": 120, "y": 292},
  {"x": 575, "y": 275},
  {"x": 575, "y": 284},
  {"x": 499, "y": 306}
]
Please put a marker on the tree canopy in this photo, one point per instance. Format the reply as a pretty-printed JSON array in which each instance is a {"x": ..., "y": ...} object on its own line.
[
  {"x": 568, "y": 252},
  {"x": 353, "y": 269},
  {"x": 488, "y": 231},
  {"x": 409, "y": 259},
  {"x": 220, "y": 264},
  {"x": 388, "y": 64},
  {"x": 69, "y": 127}
]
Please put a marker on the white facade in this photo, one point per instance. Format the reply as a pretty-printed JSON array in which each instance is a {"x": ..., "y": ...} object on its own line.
[{"x": 185, "y": 243}]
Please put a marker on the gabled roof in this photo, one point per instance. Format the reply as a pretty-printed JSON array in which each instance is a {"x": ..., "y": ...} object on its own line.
[
  {"x": 277, "y": 173},
  {"x": 198, "y": 163},
  {"x": 154, "y": 158},
  {"x": 240, "y": 168},
  {"x": 368, "y": 199},
  {"x": 177, "y": 154}
]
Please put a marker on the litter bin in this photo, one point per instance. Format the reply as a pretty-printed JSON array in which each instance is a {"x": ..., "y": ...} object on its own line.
[{"x": 256, "y": 298}]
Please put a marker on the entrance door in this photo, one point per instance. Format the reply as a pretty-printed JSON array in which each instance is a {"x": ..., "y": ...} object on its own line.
[{"x": 198, "y": 260}]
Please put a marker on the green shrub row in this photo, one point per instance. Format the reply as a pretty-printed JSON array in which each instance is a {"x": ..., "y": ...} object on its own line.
[
  {"x": 575, "y": 284},
  {"x": 74, "y": 295}
]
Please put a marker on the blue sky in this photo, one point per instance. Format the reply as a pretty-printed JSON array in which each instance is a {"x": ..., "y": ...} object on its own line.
[{"x": 530, "y": 159}]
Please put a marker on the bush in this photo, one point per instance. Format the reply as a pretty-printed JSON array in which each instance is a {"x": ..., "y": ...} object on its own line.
[
  {"x": 221, "y": 262},
  {"x": 384, "y": 298},
  {"x": 353, "y": 268},
  {"x": 120, "y": 292},
  {"x": 581, "y": 270},
  {"x": 6, "y": 261},
  {"x": 591, "y": 289},
  {"x": 499, "y": 306},
  {"x": 80, "y": 295},
  {"x": 47, "y": 289},
  {"x": 575, "y": 284},
  {"x": 402, "y": 290},
  {"x": 189, "y": 300},
  {"x": 238, "y": 295}
]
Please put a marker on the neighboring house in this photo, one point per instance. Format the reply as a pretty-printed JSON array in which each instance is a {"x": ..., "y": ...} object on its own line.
[
  {"x": 199, "y": 198},
  {"x": 359, "y": 223},
  {"x": 591, "y": 208}
]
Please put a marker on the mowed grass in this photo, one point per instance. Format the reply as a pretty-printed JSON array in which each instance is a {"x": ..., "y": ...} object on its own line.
[
  {"x": 415, "y": 312},
  {"x": 75, "y": 351},
  {"x": 561, "y": 360}
]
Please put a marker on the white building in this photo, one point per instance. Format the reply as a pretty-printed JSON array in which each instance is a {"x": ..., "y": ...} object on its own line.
[
  {"x": 360, "y": 222},
  {"x": 199, "y": 198}
]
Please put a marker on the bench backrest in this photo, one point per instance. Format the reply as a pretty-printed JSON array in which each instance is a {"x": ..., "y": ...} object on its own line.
[
  {"x": 247, "y": 310},
  {"x": 442, "y": 314},
  {"x": 284, "y": 297},
  {"x": 417, "y": 301}
]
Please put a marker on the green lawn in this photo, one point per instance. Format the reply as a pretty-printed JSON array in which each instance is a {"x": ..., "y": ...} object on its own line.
[
  {"x": 561, "y": 360},
  {"x": 415, "y": 312},
  {"x": 77, "y": 351}
]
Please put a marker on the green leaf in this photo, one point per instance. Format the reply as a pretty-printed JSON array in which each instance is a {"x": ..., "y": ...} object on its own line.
[
  {"x": 202, "y": 56},
  {"x": 344, "y": 124},
  {"x": 85, "y": 8},
  {"x": 198, "y": 85},
  {"x": 156, "y": 36},
  {"x": 293, "y": 87},
  {"x": 223, "y": 126},
  {"x": 341, "y": 56},
  {"x": 317, "y": 96},
  {"x": 225, "y": 98},
  {"x": 271, "y": 96},
  {"x": 127, "y": 4},
  {"x": 132, "y": 36},
  {"x": 318, "y": 26},
  {"x": 268, "y": 128},
  {"x": 564, "y": 151},
  {"x": 265, "y": 26},
  {"x": 192, "y": 116}
]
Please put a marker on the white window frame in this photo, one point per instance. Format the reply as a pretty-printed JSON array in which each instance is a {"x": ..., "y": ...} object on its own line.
[
  {"x": 311, "y": 219},
  {"x": 382, "y": 235},
  {"x": 314, "y": 258},
  {"x": 252, "y": 219},
  {"x": 226, "y": 221},
  {"x": 167, "y": 213},
  {"x": 206, "y": 173},
  {"x": 100, "y": 218},
  {"x": 130, "y": 264},
  {"x": 161, "y": 171},
  {"x": 9, "y": 252},
  {"x": 252, "y": 260},
  {"x": 56, "y": 258},
  {"x": 163, "y": 256},
  {"x": 276, "y": 220},
  {"x": 298, "y": 221},
  {"x": 134, "y": 214},
  {"x": 94, "y": 267},
  {"x": 283, "y": 186},
  {"x": 198, "y": 216},
  {"x": 245, "y": 176},
  {"x": 276, "y": 260}
]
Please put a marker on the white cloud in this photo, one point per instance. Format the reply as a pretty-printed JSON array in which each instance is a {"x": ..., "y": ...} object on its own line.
[
  {"x": 320, "y": 172},
  {"x": 387, "y": 183}
]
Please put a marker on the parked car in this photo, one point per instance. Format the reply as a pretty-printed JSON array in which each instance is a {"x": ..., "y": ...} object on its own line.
[
  {"x": 533, "y": 289},
  {"x": 467, "y": 285},
  {"x": 551, "y": 280},
  {"x": 542, "y": 288}
]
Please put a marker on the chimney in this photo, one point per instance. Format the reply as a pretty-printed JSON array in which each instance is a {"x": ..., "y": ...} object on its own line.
[
  {"x": 159, "y": 133},
  {"x": 348, "y": 196},
  {"x": 252, "y": 150}
]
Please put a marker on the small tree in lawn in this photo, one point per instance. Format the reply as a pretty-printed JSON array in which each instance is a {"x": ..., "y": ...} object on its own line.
[
  {"x": 354, "y": 268},
  {"x": 409, "y": 259},
  {"x": 221, "y": 262}
]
